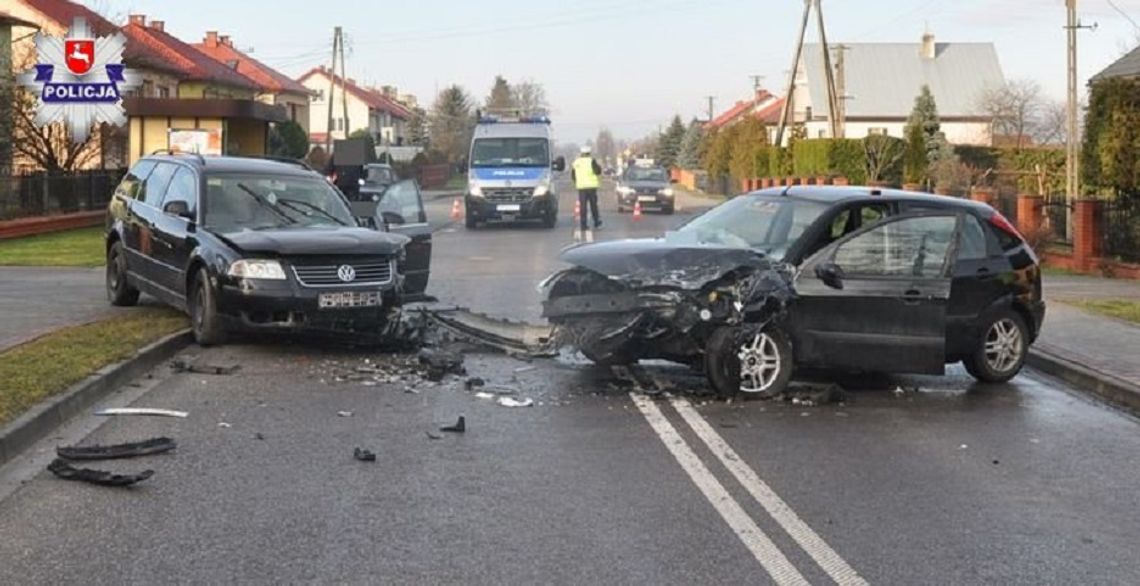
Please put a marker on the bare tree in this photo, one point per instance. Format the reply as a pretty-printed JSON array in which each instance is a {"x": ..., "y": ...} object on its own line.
[
  {"x": 1014, "y": 108},
  {"x": 604, "y": 147},
  {"x": 530, "y": 97}
]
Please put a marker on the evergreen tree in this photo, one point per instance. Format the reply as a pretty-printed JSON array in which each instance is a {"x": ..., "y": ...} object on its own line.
[
  {"x": 925, "y": 117},
  {"x": 669, "y": 145},
  {"x": 690, "y": 155},
  {"x": 451, "y": 123},
  {"x": 288, "y": 139},
  {"x": 915, "y": 163},
  {"x": 501, "y": 97},
  {"x": 418, "y": 128}
]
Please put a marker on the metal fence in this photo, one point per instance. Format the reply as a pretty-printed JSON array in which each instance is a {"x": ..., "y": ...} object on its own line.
[
  {"x": 1120, "y": 226},
  {"x": 1056, "y": 218},
  {"x": 41, "y": 194}
]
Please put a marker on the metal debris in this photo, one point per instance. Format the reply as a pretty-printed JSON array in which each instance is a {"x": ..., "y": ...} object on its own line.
[
  {"x": 344, "y": 413},
  {"x": 112, "y": 452},
  {"x": 363, "y": 455},
  {"x": 433, "y": 436},
  {"x": 459, "y": 427},
  {"x": 142, "y": 411},
  {"x": 66, "y": 471},
  {"x": 512, "y": 402},
  {"x": 224, "y": 425},
  {"x": 441, "y": 362},
  {"x": 484, "y": 395}
]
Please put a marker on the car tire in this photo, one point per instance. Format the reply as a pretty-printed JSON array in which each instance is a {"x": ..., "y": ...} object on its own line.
[
  {"x": 667, "y": 210},
  {"x": 621, "y": 209},
  {"x": 470, "y": 222},
  {"x": 1001, "y": 350},
  {"x": 551, "y": 219},
  {"x": 768, "y": 352},
  {"x": 204, "y": 319},
  {"x": 119, "y": 290}
]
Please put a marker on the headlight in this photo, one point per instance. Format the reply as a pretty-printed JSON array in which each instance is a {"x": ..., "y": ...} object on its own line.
[
  {"x": 541, "y": 189},
  {"x": 269, "y": 270},
  {"x": 626, "y": 190},
  {"x": 474, "y": 189},
  {"x": 667, "y": 192}
]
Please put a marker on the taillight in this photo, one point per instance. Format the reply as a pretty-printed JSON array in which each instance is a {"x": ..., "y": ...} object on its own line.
[{"x": 1001, "y": 223}]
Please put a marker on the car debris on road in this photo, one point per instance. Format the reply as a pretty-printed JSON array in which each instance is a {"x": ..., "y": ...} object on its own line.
[
  {"x": 66, "y": 471},
  {"x": 142, "y": 411},
  {"x": 363, "y": 455},
  {"x": 128, "y": 450},
  {"x": 459, "y": 427}
]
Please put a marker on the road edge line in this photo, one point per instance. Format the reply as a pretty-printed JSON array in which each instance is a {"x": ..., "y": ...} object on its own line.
[
  {"x": 778, "y": 566},
  {"x": 804, "y": 536},
  {"x": 40, "y": 421},
  {"x": 1103, "y": 386}
]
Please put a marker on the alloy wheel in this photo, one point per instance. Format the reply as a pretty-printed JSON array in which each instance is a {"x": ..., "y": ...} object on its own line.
[
  {"x": 760, "y": 363},
  {"x": 1004, "y": 346}
]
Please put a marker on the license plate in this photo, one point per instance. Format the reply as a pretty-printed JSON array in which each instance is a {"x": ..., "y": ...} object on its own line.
[
  {"x": 349, "y": 299},
  {"x": 509, "y": 207},
  {"x": 646, "y": 198}
]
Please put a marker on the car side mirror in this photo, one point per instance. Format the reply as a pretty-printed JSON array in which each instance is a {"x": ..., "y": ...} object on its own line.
[
  {"x": 179, "y": 209},
  {"x": 559, "y": 164},
  {"x": 830, "y": 274},
  {"x": 392, "y": 218}
]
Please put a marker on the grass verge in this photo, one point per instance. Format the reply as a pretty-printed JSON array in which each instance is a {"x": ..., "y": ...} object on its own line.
[
  {"x": 44, "y": 367},
  {"x": 71, "y": 248},
  {"x": 1124, "y": 309}
]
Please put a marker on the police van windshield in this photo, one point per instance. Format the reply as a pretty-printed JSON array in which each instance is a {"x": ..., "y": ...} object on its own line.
[{"x": 510, "y": 152}]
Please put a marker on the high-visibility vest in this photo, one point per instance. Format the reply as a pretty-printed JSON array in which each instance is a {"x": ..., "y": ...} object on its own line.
[{"x": 584, "y": 176}]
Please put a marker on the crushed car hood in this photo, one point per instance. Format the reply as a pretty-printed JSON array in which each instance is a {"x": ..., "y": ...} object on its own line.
[
  {"x": 331, "y": 241},
  {"x": 657, "y": 262}
]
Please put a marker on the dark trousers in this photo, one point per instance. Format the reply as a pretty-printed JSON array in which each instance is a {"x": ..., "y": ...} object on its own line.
[{"x": 588, "y": 199}]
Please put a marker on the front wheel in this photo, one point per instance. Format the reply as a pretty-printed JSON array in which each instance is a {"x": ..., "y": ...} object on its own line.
[
  {"x": 204, "y": 319},
  {"x": 667, "y": 210},
  {"x": 1002, "y": 349},
  {"x": 749, "y": 359},
  {"x": 550, "y": 220}
]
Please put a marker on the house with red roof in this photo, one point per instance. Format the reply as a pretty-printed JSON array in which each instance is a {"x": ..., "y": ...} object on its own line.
[
  {"x": 382, "y": 116},
  {"x": 274, "y": 87},
  {"x": 763, "y": 105}
]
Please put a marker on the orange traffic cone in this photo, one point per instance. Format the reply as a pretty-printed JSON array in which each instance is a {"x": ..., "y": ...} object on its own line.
[
  {"x": 456, "y": 211},
  {"x": 636, "y": 211},
  {"x": 577, "y": 210}
]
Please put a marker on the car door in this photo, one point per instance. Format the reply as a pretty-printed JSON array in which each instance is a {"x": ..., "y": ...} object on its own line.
[
  {"x": 876, "y": 300},
  {"x": 174, "y": 233},
  {"x": 979, "y": 280},
  {"x": 128, "y": 195},
  {"x": 401, "y": 209}
]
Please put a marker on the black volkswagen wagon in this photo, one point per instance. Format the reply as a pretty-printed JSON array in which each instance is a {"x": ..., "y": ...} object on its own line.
[
  {"x": 256, "y": 244},
  {"x": 852, "y": 279}
]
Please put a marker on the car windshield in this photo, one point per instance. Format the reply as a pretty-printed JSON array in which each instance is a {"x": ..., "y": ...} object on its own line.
[
  {"x": 510, "y": 152},
  {"x": 766, "y": 224},
  {"x": 379, "y": 176},
  {"x": 646, "y": 174},
  {"x": 237, "y": 202}
]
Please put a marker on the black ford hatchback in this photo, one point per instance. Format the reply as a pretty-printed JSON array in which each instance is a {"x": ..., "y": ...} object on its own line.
[{"x": 253, "y": 244}]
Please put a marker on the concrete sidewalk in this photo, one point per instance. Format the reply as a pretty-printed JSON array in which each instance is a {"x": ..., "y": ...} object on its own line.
[{"x": 1088, "y": 349}]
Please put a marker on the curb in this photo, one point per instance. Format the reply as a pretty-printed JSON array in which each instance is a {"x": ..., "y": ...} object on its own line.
[
  {"x": 41, "y": 420},
  {"x": 1103, "y": 386}
]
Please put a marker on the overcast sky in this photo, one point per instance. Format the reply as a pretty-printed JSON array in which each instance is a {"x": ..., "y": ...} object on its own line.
[{"x": 627, "y": 65}]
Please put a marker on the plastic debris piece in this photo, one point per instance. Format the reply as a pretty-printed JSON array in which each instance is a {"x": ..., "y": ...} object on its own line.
[
  {"x": 513, "y": 402},
  {"x": 142, "y": 411},
  {"x": 344, "y": 413},
  {"x": 963, "y": 447},
  {"x": 484, "y": 395},
  {"x": 224, "y": 425},
  {"x": 128, "y": 450},
  {"x": 473, "y": 382},
  {"x": 459, "y": 427},
  {"x": 433, "y": 435},
  {"x": 411, "y": 391},
  {"x": 259, "y": 436},
  {"x": 363, "y": 455},
  {"x": 66, "y": 471},
  {"x": 523, "y": 369}
]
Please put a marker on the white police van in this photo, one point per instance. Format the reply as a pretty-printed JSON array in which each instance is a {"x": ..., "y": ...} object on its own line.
[{"x": 511, "y": 171}]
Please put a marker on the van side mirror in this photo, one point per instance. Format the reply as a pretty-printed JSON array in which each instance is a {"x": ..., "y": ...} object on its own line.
[
  {"x": 830, "y": 274},
  {"x": 559, "y": 164},
  {"x": 179, "y": 209}
]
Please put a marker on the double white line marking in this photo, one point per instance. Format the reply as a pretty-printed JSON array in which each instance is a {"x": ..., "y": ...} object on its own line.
[{"x": 758, "y": 543}]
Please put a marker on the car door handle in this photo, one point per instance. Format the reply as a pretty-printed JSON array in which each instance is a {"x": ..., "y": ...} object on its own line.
[
  {"x": 912, "y": 297},
  {"x": 984, "y": 274}
]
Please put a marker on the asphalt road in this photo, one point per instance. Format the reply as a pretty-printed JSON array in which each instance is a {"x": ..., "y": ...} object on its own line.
[{"x": 1027, "y": 483}]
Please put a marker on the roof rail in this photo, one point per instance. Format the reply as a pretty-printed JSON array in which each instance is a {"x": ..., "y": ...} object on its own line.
[
  {"x": 287, "y": 160},
  {"x": 175, "y": 153}
]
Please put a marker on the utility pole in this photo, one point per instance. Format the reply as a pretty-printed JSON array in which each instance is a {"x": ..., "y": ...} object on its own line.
[
  {"x": 756, "y": 79},
  {"x": 787, "y": 112},
  {"x": 343, "y": 82},
  {"x": 712, "y": 101},
  {"x": 841, "y": 88},
  {"x": 332, "y": 88},
  {"x": 1072, "y": 146}
]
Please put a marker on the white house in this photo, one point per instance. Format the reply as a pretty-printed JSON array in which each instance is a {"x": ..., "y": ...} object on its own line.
[
  {"x": 383, "y": 117},
  {"x": 878, "y": 83}
]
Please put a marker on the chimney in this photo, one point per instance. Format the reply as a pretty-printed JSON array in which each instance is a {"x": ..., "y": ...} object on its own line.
[
  {"x": 929, "y": 49},
  {"x": 211, "y": 39},
  {"x": 158, "y": 25},
  {"x": 139, "y": 19},
  {"x": 225, "y": 40}
]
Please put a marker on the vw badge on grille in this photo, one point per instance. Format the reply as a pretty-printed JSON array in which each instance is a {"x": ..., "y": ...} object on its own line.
[{"x": 346, "y": 273}]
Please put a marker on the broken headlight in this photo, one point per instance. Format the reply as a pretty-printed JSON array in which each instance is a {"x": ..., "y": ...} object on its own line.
[{"x": 269, "y": 270}]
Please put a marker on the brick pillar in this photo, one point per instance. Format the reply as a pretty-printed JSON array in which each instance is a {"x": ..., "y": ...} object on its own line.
[
  {"x": 805, "y": 180},
  {"x": 821, "y": 180},
  {"x": 1087, "y": 233},
  {"x": 765, "y": 182},
  {"x": 986, "y": 195},
  {"x": 744, "y": 185},
  {"x": 1029, "y": 214},
  {"x": 793, "y": 181},
  {"x": 841, "y": 180}
]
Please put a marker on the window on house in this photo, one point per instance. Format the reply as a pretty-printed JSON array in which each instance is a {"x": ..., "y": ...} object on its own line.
[
  {"x": 821, "y": 134},
  {"x": 319, "y": 96},
  {"x": 876, "y": 131},
  {"x": 340, "y": 123},
  {"x": 164, "y": 92},
  {"x": 148, "y": 88}
]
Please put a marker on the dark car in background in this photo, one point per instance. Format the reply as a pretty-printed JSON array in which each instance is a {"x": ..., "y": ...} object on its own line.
[
  {"x": 649, "y": 186},
  {"x": 259, "y": 245},
  {"x": 846, "y": 279}
]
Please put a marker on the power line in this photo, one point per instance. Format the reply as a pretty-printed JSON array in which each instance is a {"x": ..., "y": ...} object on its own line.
[{"x": 1124, "y": 14}]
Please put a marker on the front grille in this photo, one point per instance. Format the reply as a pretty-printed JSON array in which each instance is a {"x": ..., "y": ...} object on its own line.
[
  {"x": 508, "y": 194},
  {"x": 370, "y": 273},
  {"x": 647, "y": 191}
]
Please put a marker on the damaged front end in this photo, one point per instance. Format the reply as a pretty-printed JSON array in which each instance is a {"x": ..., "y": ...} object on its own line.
[{"x": 619, "y": 306}]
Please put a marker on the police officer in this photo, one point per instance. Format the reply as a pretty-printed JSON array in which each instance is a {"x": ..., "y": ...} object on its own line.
[{"x": 586, "y": 173}]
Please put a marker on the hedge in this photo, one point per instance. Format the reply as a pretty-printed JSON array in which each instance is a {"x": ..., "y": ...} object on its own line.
[
  {"x": 1025, "y": 164},
  {"x": 825, "y": 156}
]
